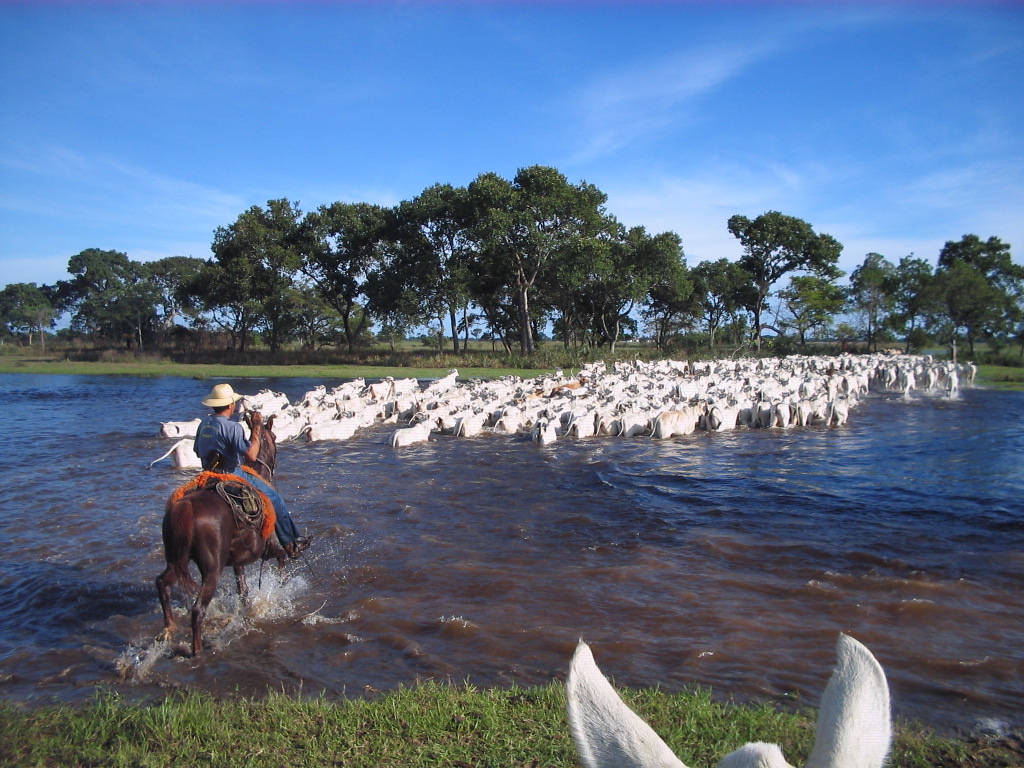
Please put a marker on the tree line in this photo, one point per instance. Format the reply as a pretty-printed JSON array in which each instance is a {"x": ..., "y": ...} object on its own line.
[{"x": 505, "y": 260}]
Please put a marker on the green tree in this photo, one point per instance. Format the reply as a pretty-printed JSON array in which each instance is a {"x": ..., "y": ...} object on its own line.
[
  {"x": 810, "y": 302},
  {"x": 110, "y": 297},
  {"x": 910, "y": 287},
  {"x": 173, "y": 275},
  {"x": 492, "y": 293},
  {"x": 722, "y": 288},
  {"x": 673, "y": 304},
  {"x": 346, "y": 242},
  {"x": 775, "y": 245},
  {"x": 433, "y": 250},
  {"x": 870, "y": 294},
  {"x": 221, "y": 304},
  {"x": 523, "y": 225},
  {"x": 980, "y": 288},
  {"x": 316, "y": 322},
  {"x": 25, "y": 308},
  {"x": 259, "y": 256},
  {"x": 631, "y": 266}
]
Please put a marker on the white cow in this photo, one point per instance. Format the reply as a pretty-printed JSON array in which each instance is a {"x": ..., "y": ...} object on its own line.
[
  {"x": 854, "y": 725},
  {"x": 265, "y": 401},
  {"x": 682, "y": 421},
  {"x": 180, "y": 428},
  {"x": 338, "y": 429},
  {"x": 838, "y": 412},
  {"x": 631, "y": 423},
  {"x": 416, "y": 433},
  {"x": 182, "y": 455},
  {"x": 509, "y": 420},
  {"x": 582, "y": 424},
  {"x": 720, "y": 417},
  {"x": 470, "y": 424},
  {"x": 545, "y": 431}
]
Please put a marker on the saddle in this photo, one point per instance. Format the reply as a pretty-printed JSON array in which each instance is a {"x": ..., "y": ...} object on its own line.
[
  {"x": 245, "y": 502},
  {"x": 251, "y": 508}
]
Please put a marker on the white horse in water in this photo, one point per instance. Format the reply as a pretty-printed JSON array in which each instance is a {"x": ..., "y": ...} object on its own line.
[{"x": 854, "y": 727}]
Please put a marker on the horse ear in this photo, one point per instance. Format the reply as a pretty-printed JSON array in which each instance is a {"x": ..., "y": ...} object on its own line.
[
  {"x": 606, "y": 731},
  {"x": 269, "y": 423},
  {"x": 854, "y": 726}
]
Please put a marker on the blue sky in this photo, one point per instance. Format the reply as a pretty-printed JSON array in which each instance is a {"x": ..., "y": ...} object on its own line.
[{"x": 142, "y": 127}]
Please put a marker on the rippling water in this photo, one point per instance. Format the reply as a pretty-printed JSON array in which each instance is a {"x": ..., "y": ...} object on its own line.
[{"x": 730, "y": 560}]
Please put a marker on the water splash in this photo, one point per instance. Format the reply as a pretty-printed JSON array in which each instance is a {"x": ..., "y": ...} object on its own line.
[
  {"x": 136, "y": 662},
  {"x": 274, "y": 596}
]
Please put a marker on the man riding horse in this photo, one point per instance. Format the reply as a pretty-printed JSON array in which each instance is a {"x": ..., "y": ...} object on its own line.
[{"x": 221, "y": 446}]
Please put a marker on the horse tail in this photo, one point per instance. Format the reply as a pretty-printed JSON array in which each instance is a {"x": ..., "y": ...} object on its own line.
[{"x": 178, "y": 530}]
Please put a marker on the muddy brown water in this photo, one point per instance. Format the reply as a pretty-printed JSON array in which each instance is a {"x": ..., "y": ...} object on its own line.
[{"x": 730, "y": 560}]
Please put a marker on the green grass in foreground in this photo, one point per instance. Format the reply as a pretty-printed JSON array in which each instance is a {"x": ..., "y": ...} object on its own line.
[{"x": 430, "y": 725}]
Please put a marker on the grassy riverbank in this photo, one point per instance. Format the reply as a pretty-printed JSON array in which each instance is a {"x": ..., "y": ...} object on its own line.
[
  {"x": 227, "y": 372},
  {"x": 1002, "y": 377},
  {"x": 430, "y": 725}
]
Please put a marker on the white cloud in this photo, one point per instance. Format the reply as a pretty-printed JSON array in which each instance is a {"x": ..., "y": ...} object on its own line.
[
  {"x": 101, "y": 190},
  {"x": 649, "y": 97}
]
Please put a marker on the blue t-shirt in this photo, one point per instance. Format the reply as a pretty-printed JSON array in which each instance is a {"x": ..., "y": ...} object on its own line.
[{"x": 217, "y": 433}]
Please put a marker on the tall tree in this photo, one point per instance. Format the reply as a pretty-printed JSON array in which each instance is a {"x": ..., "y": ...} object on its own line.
[
  {"x": 673, "y": 303},
  {"x": 910, "y": 287},
  {"x": 433, "y": 248},
  {"x": 260, "y": 254},
  {"x": 524, "y": 224},
  {"x": 637, "y": 264},
  {"x": 346, "y": 240},
  {"x": 980, "y": 286},
  {"x": 224, "y": 303},
  {"x": 775, "y": 245},
  {"x": 721, "y": 289},
  {"x": 109, "y": 296},
  {"x": 870, "y": 294},
  {"x": 172, "y": 276},
  {"x": 26, "y": 308},
  {"x": 811, "y": 302}
]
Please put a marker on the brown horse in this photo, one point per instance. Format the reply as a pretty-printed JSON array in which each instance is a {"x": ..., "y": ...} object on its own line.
[{"x": 201, "y": 527}]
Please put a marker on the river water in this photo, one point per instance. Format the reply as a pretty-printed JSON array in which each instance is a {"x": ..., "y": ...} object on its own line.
[{"x": 731, "y": 560}]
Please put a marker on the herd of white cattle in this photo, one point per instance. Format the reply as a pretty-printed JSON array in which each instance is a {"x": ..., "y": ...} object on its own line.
[{"x": 657, "y": 399}]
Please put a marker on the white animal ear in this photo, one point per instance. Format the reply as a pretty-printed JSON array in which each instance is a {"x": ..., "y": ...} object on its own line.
[
  {"x": 854, "y": 727},
  {"x": 608, "y": 734}
]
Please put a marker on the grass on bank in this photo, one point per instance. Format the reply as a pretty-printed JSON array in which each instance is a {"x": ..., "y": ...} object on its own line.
[
  {"x": 221, "y": 371},
  {"x": 429, "y": 725},
  {"x": 1001, "y": 377}
]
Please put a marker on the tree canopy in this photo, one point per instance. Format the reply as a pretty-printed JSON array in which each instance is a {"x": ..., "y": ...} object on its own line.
[
  {"x": 775, "y": 245},
  {"x": 509, "y": 259}
]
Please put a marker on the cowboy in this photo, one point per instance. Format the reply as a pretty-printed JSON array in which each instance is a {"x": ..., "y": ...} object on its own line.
[{"x": 221, "y": 446}]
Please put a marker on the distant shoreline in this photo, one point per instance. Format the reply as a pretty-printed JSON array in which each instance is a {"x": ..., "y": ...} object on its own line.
[
  {"x": 222, "y": 371},
  {"x": 996, "y": 377}
]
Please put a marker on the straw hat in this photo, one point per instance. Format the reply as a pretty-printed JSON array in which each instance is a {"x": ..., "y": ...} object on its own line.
[{"x": 221, "y": 395}]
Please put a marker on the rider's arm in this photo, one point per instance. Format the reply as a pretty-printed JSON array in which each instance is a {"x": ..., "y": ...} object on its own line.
[{"x": 253, "y": 451}]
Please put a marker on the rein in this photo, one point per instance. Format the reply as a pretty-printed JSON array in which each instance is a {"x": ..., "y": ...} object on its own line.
[
  {"x": 260, "y": 461},
  {"x": 270, "y": 469}
]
